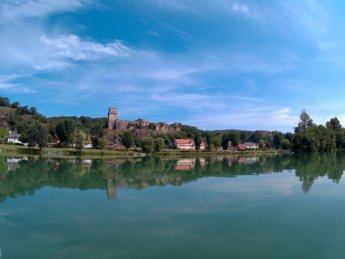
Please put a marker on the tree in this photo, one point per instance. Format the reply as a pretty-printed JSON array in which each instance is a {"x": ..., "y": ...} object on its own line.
[
  {"x": 277, "y": 138},
  {"x": 3, "y": 133},
  {"x": 99, "y": 142},
  {"x": 152, "y": 126},
  {"x": 335, "y": 126},
  {"x": 197, "y": 140},
  {"x": 225, "y": 141},
  {"x": 305, "y": 122},
  {"x": 4, "y": 102},
  {"x": 65, "y": 130},
  {"x": 285, "y": 144},
  {"x": 147, "y": 144},
  {"x": 35, "y": 134},
  {"x": 234, "y": 137},
  {"x": 127, "y": 139},
  {"x": 217, "y": 141},
  {"x": 159, "y": 144},
  {"x": 15, "y": 105},
  {"x": 209, "y": 139},
  {"x": 79, "y": 138},
  {"x": 33, "y": 110}
]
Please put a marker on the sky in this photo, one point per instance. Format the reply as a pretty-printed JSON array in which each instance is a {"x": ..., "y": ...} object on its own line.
[{"x": 220, "y": 64}]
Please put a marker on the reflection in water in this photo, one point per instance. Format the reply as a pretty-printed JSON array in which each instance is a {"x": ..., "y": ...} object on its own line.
[
  {"x": 22, "y": 176},
  {"x": 185, "y": 164}
]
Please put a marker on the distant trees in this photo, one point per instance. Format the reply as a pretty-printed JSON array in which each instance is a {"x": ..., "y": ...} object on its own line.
[
  {"x": 99, "y": 142},
  {"x": 147, "y": 144},
  {"x": 128, "y": 139},
  {"x": 4, "y": 102},
  {"x": 312, "y": 138},
  {"x": 159, "y": 144},
  {"x": 35, "y": 134},
  {"x": 65, "y": 130},
  {"x": 197, "y": 140},
  {"x": 233, "y": 136},
  {"x": 3, "y": 134}
]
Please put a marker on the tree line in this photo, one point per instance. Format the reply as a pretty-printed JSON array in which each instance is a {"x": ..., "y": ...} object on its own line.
[{"x": 37, "y": 130}]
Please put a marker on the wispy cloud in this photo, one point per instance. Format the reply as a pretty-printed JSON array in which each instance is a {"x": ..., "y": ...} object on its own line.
[
  {"x": 71, "y": 46},
  {"x": 9, "y": 84},
  {"x": 12, "y": 10},
  {"x": 202, "y": 6},
  {"x": 181, "y": 34}
]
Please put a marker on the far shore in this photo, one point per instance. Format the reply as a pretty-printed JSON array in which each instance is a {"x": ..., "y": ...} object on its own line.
[{"x": 8, "y": 150}]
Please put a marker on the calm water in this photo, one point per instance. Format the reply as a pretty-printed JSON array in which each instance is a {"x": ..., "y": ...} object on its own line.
[{"x": 268, "y": 207}]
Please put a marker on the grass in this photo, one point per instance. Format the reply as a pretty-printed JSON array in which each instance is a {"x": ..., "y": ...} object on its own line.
[{"x": 96, "y": 153}]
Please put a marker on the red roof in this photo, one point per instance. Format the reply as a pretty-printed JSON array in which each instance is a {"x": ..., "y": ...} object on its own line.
[
  {"x": 183, "y": 167},
  {"x": 184, "y": 141}
]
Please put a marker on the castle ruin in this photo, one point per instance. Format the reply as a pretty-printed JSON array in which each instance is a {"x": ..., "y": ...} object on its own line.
[
  {"x": 112, "y": 117},
  {"x": 140, "y": 126}
]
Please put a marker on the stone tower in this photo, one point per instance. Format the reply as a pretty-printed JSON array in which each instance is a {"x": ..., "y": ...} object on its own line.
[{"x": 112, "y": 117}]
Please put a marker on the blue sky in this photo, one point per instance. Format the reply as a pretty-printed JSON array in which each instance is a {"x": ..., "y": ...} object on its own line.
[{"x": 216, "y": 64}]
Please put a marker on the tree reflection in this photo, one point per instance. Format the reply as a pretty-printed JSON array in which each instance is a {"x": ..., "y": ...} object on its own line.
[{"x": 20, "y": 176}]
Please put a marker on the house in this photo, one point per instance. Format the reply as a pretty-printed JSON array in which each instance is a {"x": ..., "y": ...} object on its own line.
[
  {"x": 54, "y": 141},
  {"x": 250, "y": 145},
  {"x": 88, "y": 145},
  {"x": 241, "y": 147},
  {"x": 185, "y": 164},
  {"x": 202, "y": 145},
  {"x": 185, "y": 144},
  {"x": 13, "y": 138},
  {"x": 188, "y": 144}
]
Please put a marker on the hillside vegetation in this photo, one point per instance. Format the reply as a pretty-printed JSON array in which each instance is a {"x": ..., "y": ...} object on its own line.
[{"x": 37, "y": 130}]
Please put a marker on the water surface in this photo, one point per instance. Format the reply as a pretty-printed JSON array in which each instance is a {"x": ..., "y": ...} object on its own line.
[{"x": 236, "y": 207}]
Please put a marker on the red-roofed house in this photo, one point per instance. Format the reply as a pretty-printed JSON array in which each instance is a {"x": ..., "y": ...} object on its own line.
[{"x": 185, "y": 144}]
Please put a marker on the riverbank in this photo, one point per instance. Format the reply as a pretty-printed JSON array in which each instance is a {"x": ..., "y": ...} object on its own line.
[{"x": 97, "y": 153}]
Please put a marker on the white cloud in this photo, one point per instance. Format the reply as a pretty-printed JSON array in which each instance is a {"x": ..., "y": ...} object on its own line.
[
  {"x": 12, "y": 10},
  {"x": 9, "y": 84},
  {"x": 71, "y": 46},
  {"x": 202, "y": 6}
]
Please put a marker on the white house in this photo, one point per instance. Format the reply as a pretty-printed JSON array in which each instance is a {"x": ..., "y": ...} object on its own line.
[
  {"x": 13, "y": 138},
  {"x": 250, "y": 145},
  {"x": 88, "y": 145},
  {"x": 185, "y": 144}
]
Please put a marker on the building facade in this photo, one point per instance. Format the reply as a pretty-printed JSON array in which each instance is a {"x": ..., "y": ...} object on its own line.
[{"x": 185, "y": 144}]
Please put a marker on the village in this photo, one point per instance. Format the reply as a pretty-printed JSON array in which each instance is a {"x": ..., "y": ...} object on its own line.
[{"x": 116, "y": 129}]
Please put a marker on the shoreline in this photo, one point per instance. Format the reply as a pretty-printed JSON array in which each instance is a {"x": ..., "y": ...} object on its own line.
[{"x": 6, "y": 149}]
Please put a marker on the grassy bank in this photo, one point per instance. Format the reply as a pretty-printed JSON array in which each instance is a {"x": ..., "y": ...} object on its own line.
[{"x": 96, "y": 153}]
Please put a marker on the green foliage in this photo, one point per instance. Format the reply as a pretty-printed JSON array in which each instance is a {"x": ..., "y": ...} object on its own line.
[
  {"x": 209, "y": 139},
  {"x": 4, "y": 102},
  {"x": 217, "y": 141},
  {"x": 159, "y": 144},
  {"x": 311, "y": 138},
  {"x": 65, "y": 130},
  {"x": 80, "y": 136},
  {"x": 152, "y": 126},
  {"x": 127, "y": 139},
  {"x": 35, "y": 134},
  {"x": 147, "y": 144},
  {"x": 233, "y": 136},
  {"x": 277, "y": 139},
  {"x": 285, "y": 144},
  {"x": 197, "y": 140},
  {"x": 305, "y": 122},
  {"x": 99, "y": 142},
  {"x": 3, "y": 132}
]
